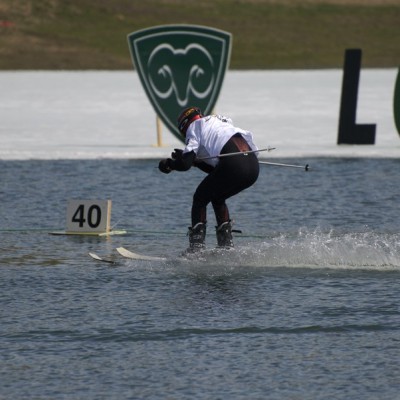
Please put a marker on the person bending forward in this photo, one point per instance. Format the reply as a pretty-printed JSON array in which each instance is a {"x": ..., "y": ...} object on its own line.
[{"x": 206, "y": 138}]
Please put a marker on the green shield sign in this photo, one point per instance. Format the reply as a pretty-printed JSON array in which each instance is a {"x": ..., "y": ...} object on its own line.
[{"x": 180, "y": 66}]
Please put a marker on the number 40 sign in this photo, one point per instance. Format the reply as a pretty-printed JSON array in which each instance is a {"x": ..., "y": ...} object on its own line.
[{"x": 88, "y": 216}]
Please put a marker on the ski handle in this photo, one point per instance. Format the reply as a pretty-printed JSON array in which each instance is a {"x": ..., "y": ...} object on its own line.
[
  {"x": 305, "y": 167},
  {"x": 236, "y": 153}
]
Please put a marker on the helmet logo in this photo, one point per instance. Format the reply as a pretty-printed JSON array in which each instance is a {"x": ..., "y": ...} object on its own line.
[{"x": 180, "y": 66}]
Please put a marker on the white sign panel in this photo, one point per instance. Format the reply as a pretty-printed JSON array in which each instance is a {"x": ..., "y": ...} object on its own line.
[{"x": 89, "y": 216}]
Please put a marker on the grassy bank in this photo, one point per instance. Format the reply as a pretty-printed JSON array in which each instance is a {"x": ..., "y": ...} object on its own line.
[{"x": 267, "y": 34}]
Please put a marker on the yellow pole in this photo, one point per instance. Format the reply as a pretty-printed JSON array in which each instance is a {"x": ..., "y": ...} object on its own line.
[{"x": 159, "y": 138}]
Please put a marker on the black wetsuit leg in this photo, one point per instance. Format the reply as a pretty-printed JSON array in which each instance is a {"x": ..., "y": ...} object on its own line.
[{"x": 232, "y": 175}]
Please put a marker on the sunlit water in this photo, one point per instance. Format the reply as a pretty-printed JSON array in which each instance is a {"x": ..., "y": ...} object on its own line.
[{"x": 306, "y": 307}]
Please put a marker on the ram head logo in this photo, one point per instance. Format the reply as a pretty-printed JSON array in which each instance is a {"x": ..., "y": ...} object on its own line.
[
  {"x": 180, "y": 66},
  {"x": 181, "y": 73}
]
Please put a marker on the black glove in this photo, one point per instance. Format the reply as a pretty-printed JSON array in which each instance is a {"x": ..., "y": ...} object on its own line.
[
  {"x": 177, "y": 154},
  {"x": 164, "y": 166}
]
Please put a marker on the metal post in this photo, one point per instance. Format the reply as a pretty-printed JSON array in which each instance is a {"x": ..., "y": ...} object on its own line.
[{"x": 159, "y": 128}]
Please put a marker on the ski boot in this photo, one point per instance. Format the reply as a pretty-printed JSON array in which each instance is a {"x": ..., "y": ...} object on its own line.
[
  {"x": 197, "y": 235},
  {"x": 224, "y": 235}
]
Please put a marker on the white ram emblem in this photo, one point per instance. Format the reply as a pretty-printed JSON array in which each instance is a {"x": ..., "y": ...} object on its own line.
[{"x": 194, "y": 65}]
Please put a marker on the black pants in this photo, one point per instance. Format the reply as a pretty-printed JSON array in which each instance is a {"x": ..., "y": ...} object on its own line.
[{"x": 232, "y": 175}]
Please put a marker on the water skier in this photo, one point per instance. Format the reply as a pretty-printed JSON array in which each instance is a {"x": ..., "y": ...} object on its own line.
[{"x": 207, "y": 139}]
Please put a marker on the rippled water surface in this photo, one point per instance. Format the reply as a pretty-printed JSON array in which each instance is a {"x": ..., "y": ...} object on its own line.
[{"x": 306, "y": 307}]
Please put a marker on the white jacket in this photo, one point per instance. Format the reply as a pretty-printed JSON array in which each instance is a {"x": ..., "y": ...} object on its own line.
[{"x": 208, "y": 135}]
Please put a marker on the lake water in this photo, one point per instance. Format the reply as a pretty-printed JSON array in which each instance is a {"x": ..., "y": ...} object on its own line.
[{"x": 306, "y": 307}]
